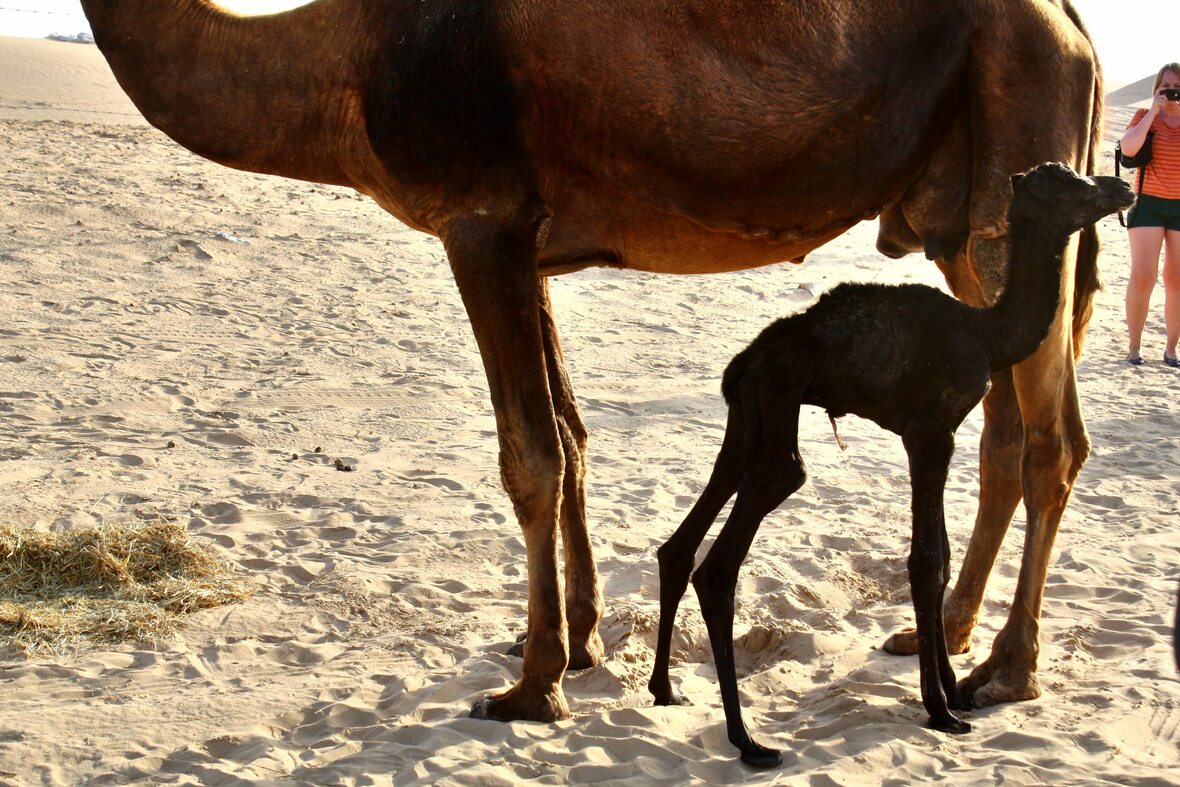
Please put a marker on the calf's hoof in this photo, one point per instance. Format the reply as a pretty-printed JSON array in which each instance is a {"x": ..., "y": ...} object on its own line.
[
  {"x": 670, "y": 697},
  {"x": 903, "y": 643},
  {"x": 757, "y": 756},
  {"x": 950, "y": 724}
]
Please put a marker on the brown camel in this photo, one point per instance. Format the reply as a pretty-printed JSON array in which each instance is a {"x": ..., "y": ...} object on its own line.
[
  {"x": 912, "y": 360},
  {"x": 536, "y": 138}
]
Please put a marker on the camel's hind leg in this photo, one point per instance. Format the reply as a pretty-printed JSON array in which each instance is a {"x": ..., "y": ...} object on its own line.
[
  {"x": 678, "y": 554},
  {"x": 1049, "y": 118},
  {"x": 493, "y": 261},
  {"x": 583, "y": 594}
]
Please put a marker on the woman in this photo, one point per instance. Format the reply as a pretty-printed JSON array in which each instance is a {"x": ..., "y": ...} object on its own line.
[{"x": 1155, "y": 219}]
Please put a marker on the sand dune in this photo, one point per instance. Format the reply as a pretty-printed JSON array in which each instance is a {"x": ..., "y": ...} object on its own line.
[
  {"x": 150, "y": 296},
  {"x": 1136, "y": 94}
]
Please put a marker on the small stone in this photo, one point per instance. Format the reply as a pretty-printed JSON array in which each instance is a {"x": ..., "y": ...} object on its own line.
[
  {"x": 318, "y": 449},
  {"x": 348, "y": 468},
  {"x": 339, "y": 464},
  {"x": 171, "y": 443},
  {"x": 294, "y": 456}
]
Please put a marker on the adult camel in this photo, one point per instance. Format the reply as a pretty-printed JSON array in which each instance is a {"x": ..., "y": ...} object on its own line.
[{"x": 538, "y": 137}]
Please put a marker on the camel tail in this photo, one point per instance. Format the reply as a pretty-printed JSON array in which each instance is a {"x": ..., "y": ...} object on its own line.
[
  {"x": 731, "y": 381},
  {"x": 1087, "y": 283}
]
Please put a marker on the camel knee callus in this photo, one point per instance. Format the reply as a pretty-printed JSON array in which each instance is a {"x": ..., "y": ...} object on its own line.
[
  {"x": 545, "y": 136},
  {"x": 941, "y": 354}
]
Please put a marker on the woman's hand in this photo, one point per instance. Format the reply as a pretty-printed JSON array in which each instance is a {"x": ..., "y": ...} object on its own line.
[{"x": 1157, "y": 105}]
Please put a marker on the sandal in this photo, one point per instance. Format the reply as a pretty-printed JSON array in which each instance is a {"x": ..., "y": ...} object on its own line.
[
  {"x": 1138, "y": 360},
  {"x": 1172, "y": 361}
]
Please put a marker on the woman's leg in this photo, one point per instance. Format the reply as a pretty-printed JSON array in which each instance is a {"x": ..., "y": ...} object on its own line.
[
  {"x": 1172, "y": 289},
  {"x": 1145, "y": 254}
]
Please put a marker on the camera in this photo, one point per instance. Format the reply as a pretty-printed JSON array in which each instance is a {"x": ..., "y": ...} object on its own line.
[{"x": 1172, "y": 95}]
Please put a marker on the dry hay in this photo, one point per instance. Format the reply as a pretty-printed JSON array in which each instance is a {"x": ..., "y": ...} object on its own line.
[{"x": 60, "y": 591}]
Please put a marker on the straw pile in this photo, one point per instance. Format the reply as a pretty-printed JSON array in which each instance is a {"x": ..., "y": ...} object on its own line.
[{"x": 60, "y": 591}]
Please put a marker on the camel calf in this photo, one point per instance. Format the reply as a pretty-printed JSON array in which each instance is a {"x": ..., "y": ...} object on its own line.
[{"x": 911, "y": 359}]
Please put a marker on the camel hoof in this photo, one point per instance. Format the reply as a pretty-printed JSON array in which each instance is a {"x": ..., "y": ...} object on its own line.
[
  {"x": 514, "y": 706},
  {"x": 903, "y": 643},
  {"x": 997, "y": 693},
  {"x": 950, "y": 725},
  {"x": 758, "y": 756},
  {"x": 987, "y": 686},
  {"x": 587, "y": 655}
]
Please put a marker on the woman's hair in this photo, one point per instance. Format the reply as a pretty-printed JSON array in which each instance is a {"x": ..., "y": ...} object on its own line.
[{"x": 1173, "y": 67}]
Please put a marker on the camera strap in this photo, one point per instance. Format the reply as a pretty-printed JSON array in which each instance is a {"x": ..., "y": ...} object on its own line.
[{"x": 1118, "y": 154}]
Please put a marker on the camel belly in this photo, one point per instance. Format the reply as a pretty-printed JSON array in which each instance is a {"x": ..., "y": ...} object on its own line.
[{"x": 626, "y": 234}]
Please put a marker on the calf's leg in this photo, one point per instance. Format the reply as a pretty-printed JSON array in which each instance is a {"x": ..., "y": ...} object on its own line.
[
  {"x": 773, "y": 471},
  {"x": 930, "y": 448},
  {"x": 678, "y": 554}
]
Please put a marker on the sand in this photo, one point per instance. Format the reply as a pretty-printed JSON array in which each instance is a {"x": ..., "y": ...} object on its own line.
[{"x": 150, "y": 296}]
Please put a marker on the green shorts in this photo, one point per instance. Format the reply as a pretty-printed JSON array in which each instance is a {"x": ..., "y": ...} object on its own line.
[{"x": 1152, "y": 211}]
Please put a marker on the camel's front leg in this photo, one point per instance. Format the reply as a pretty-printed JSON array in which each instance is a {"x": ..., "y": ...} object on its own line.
[
  {"x": 1033, "y": 445},
  {"x": 1055, "y": 447},
  {"x": 1011, "y": 131},
  {"x": 494, "y": 263}
]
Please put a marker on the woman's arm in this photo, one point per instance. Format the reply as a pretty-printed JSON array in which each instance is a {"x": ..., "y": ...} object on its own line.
[{"x": 1133, "y": 138}]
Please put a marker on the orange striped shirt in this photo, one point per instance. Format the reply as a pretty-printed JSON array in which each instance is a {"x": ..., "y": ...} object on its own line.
[{"x": 1162, "y": 178}]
